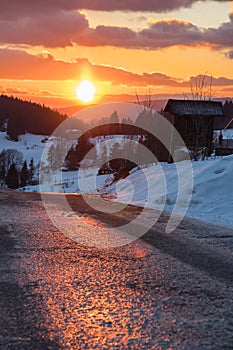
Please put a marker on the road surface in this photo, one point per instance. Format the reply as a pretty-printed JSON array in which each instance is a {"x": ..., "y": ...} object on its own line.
[{"x": 164, "y": 291}]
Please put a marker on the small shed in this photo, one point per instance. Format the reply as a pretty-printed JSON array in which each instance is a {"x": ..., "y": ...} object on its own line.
[
  {"x": 194, "y": 120},
  {"x": 224, "y": 148}
]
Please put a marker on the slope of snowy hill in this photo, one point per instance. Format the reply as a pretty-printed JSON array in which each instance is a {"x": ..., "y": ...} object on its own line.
[
  {"x": 30, "y": 145},
  {"x": 212, "y": 193}
]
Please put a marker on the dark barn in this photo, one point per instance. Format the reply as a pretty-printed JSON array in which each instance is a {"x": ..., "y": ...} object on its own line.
[
  {"x": 194, "y": 120},
  {"x": 225, "y": 148}
]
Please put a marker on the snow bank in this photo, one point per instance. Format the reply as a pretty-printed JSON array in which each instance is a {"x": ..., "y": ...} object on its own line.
[{"x": 212, "y": 197}]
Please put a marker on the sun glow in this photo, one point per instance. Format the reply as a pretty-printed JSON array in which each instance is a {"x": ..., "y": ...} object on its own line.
[{"x": 85, "y": 91}]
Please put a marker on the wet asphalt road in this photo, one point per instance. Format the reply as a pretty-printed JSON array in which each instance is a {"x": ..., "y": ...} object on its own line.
[{"x": 165, "y": 291}]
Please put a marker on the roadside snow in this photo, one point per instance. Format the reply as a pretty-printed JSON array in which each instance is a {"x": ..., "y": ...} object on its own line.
[{"x": 212, "y": 195}]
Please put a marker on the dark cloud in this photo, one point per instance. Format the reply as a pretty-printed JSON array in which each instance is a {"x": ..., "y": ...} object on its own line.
[
  {"x": 166, "y": 33},
  {"x": 58, "y": 23},
  {"x": 15, "y": 8},
  {"x": 65, "y": 28},
  {"x": 222, "y": 36},
  {"x": 62, "y": 29},
  {"x": 68, "y": 28},
  {"x": 161, "y": 34}
]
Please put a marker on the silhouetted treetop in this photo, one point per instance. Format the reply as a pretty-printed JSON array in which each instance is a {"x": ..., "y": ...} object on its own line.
[{"x": 21, "y": 116}]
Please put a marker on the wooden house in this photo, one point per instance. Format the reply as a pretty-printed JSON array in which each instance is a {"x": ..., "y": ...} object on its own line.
[{"x": 194, "y": 120}]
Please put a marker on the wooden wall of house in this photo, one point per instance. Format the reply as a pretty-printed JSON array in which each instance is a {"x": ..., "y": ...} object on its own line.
[
  {"x": 196, "y": 130},
  {"x": 221, "y": 122}
]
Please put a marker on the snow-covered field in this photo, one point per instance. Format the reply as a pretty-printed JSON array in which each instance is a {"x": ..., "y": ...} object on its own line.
[
  {"x": 30, "y": 145},
  {"x": 212, "y": 193}
]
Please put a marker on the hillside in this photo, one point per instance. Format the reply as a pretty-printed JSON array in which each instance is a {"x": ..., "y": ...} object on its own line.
[
  {"x": 211, "y": 195},
  {"x": 18, "y": 117}
]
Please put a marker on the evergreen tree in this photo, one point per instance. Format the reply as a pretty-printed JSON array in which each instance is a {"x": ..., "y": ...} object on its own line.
[
  {"x": 103, "y": 155},
  {"x": 114, "y": 117},
  {"x": 52, "y": 156},
  {"x": 31, "y": 172},
  {"x": 12, "y": 177},
  {"x": 116, "y": 161},
  {"x": 10, "y": 156},
  {"x": 2, "y": 175},
  {"x": 24, "y": 175},
  {"x": 2, "y": 168}
]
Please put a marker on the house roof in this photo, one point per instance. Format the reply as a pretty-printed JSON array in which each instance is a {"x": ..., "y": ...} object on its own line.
[{"x": 192, "y": 108}]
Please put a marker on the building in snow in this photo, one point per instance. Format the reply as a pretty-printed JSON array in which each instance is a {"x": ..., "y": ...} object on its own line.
[{"x": 194, "y": 120}]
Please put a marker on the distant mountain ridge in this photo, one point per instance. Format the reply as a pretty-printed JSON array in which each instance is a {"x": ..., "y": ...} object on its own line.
[
  {"x": 158, "y": 104},
  {"x": 71, "y": 110}
]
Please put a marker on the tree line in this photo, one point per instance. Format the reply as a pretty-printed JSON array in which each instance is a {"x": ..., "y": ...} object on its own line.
[
  {"x": 18, "y": 117},
  {"x": 15, "y": 172}
]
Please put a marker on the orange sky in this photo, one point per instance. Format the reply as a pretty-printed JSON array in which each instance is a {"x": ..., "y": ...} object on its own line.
[{"x": 124, "y": 47}]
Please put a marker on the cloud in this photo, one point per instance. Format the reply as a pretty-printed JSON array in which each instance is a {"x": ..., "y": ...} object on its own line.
[
  {"x": 164, "y": 33},
  {"x": 160, "y": 34},
  {"x": 58, "y": 23},
  {"x": 229, "y": 55},
  {"x": 69, "y": 28},
  {"x": 12, "y": 91},
  {"x": 222, "y": 36},
  {"x": 15, "y": 8},
  {"x": 16, "y": 65},
  {"x": 209, "y": 80},
  {"x": 59, "y": 30}
]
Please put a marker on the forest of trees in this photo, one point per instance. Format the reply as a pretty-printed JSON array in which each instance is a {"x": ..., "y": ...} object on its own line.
[
  {"x": 18, "y": 117},
  {"x": 117, "y": 157}
]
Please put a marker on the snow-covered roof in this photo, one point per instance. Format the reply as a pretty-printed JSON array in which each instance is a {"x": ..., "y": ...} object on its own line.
[{"x": 192, "y": 108}]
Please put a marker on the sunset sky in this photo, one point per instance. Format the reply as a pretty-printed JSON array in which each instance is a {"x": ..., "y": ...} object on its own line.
[{"x": 123, "y": 46}]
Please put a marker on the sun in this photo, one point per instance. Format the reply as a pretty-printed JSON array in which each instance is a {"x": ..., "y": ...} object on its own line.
[{"x": 85, "y": 91}]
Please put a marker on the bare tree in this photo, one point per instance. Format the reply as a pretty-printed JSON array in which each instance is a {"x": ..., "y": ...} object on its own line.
[
  {"x": 200, "y": 127},
  {"x": 9, "y": 157},
  {"x": 201, "y": 88},
  {"x": 198, "y": 136},
  {"x": 146, "y": 100}
]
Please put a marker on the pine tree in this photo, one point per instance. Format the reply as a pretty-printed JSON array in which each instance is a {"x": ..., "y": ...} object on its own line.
[
  {"x": 2, "y": 175},
  {"x": 2, "y": 168},
  {"x": 12, "y": 177},
  {"x": 52, "y": 157},
  {"x": 114, "y": 117},
  {"x": 116, "y": 161},
  {"x": 103, "y": 156},
  {"x": 31, "y": 172},
  {"x": 24, "y": 175}
]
